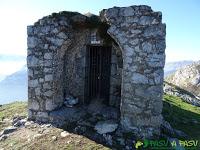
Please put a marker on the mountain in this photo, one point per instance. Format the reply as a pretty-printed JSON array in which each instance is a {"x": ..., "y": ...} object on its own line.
[
  {"x": 171, "y": 67},
  {"x": 14, "y": 87},
  {"x": 187, "y": 78},
  {"x": 10, "y": 64}
]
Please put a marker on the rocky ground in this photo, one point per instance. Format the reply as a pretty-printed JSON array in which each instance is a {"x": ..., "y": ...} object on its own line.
[
  {"x": 20, "y": 133},
  {"x": 91, "y": 132},
  {"x": 30, "y": 135},
  {"x": 187, "y": 96},
  {"x": 187, "y": 78}
]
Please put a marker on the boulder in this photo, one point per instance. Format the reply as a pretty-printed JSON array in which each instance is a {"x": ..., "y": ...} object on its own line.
[
  {"x": 3, "y": 137},
  {"x": 64, "y": 134},
  {"x": 8, "y": 130},
  {"x": 70, "y": 101},
  {"x": 54, "y": 138},
  {"x": 107, "y": 126},
  {"x": 20, "y": 123}
]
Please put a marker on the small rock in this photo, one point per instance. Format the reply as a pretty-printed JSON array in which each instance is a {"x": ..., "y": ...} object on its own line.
[
  {"x": 64, "y": 134},
  {"x": 121, "y": 141},
  {"x": 54, "y": 138},
  {"x": 46, "y": 131},
  {"x": 80, "y": 129},
  {"x": 46, "y": 126},
  {"x": 28, "y": 123},
  {"x": 107, "y": 126},
  {"x": 15, "y": 119},
  {"x": 41, "y": 130},
  {"x": 8, "y": 130},
  {"x": 37, "y": 135},
  {"x": 3, "y": 137},
  {"x": 108, "y": 138},
  {"x": 70, "y": 101},
  {"x": 20, "y": 123},
  {"x": 29, "y": 140}
]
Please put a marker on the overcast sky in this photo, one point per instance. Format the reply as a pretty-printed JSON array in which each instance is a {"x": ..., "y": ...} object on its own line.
[{"x": 180, "y": 16}]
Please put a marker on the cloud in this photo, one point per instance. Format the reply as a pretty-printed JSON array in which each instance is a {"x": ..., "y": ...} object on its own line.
[{"x": 11, "y": 63}]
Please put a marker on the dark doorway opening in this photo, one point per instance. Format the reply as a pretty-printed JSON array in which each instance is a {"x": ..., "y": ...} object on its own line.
[{"x": 98, "y": 73}]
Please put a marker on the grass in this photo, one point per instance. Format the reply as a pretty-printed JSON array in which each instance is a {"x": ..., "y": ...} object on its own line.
[
  {"x": 8, "y": 111},
  {"x": 13, "y": 109},
  {"x": 182, "y": 116}
]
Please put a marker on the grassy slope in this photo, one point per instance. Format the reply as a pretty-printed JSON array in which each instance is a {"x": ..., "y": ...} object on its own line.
[
  {"x": 8, "y": 111},
  {"x": 182, "y": 116}
]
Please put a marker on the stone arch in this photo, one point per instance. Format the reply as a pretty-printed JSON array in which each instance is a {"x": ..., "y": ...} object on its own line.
[{"x": 139, "y": 33}]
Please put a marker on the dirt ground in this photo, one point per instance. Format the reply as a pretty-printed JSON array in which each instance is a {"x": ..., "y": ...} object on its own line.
[{"x": 46, "y": 137}]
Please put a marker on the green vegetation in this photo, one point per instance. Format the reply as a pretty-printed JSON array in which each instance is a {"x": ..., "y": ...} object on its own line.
[
  {"x": 13, "y": 109},
  {"x": 182, "y": 116},
  {"x": 8, "y": 111}
]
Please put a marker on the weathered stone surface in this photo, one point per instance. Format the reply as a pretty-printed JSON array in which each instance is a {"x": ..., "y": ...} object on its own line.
[
  {"x": 48, "y": 56},
  {"x": 108, "y": 126},
  {"x": 32, "y": 42},
  {"x": 57, "y": 64},
  {"x": 32, "y": 61},
  {"x": 50, "y": 105},
  {"x": 33, "y": 104},
  {"x": 8, "y": 130},
  {"x": 42, "y": 116},
  {"x": 3, "y": 137},
  {"x": 139, "y": 78},
  {"x": 64, "y": 134},
  {"x": 48, "y": 77},
  {"x": 48, "y": 93},
  {"x": 33, "y": 83},
  {"x": 70, "y": 101}
]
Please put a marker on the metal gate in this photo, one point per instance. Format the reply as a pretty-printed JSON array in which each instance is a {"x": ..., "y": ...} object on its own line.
[{"x": 98, "y": 73}]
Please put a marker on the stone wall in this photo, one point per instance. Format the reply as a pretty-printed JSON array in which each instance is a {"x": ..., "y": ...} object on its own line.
[
  {"x": 47, "y": 41},
  {"x": 141, "y": 36},
  {"x": 74, "y": 66},
  {"x": 56, "y": 63},
  {"x": 116, "y": 76}
]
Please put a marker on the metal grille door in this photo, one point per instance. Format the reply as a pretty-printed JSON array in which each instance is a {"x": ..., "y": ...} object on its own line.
[{"x": 99, "y": 60}]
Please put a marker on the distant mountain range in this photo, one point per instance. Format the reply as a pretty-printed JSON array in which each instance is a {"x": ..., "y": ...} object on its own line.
[
  {"x": 171, "y": 67},
  {"x": 14, "y": 87}
]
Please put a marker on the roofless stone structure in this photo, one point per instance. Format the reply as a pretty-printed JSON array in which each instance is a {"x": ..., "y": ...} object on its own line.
[{"x": 112, "y": 62}]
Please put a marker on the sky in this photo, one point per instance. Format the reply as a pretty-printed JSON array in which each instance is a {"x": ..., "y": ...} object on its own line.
[{"x": 181, "y": 18}]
